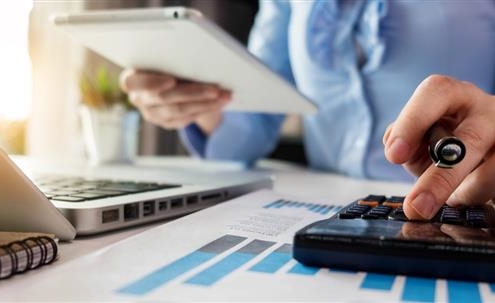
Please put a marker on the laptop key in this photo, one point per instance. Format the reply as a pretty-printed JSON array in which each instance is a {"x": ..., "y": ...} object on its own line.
[
  {"x": 60, "y": 193},
  {"x": 105, "y": 193},
  {"x": 77, "y": 189},
  {"x": 68, "y": 199},
  {"x": 135, "y": 187},
  {"x": 129, "y": 188},
  {"x": 90, "y": 196},
  {"x": 164, "y": 186}
]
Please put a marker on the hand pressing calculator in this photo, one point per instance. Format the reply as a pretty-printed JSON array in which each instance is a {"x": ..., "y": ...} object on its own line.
[{"x": 373, "y": 234}]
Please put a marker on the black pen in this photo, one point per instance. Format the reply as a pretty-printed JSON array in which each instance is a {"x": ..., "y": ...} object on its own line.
[{"x": 445, "y": 149}]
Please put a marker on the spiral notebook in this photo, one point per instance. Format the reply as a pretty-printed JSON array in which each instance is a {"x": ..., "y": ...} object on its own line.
[{"x": 20, "y": 252}]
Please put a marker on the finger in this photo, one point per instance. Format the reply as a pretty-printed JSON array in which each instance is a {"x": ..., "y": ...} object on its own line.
[
  {"x": 179, "y": 110},
  {"x": 165, "y": 114},
  {"x": 477, "y": 188},
  {"x": 387, "y": 133},
  {"x": 167, "y": 123},
  {"x": 435, "y": 97},
  {"x": 179, "y": 122},
  {"x": 194, "y": 114},
  {"x": 420, "y": 161},
  {"x": 436, "y": 185},
  {"x": 225, "y": 95},
  {"x": 136, "y": 80},
  {"x": 459, "y": 100},
  {"x": 143, "y": 98},
  {"x": 148, "y": 116},
  {"x": 182, "y": 95},
  {"x": 187, "y": 92}
]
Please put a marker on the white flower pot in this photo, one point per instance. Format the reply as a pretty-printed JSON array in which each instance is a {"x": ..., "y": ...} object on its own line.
[{"x": 110, "y": 135}]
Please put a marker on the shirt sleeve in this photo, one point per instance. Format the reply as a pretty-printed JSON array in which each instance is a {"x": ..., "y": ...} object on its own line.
[{"x": 247, "y": 137}]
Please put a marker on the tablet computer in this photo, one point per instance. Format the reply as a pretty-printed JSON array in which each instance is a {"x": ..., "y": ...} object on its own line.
[{"x": 182, "y": 42}]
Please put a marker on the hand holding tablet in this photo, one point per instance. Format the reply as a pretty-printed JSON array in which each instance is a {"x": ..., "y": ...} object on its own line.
[
  {"x": 180, "y": 42},
  {"x": 166, "y": 101}
]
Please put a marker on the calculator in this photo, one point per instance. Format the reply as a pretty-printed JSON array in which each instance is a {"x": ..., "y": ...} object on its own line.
[{"x": 374, "y": 234}]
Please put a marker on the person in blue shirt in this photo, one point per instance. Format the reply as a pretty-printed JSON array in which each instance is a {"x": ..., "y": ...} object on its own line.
[{"x": 360, "y": 61}]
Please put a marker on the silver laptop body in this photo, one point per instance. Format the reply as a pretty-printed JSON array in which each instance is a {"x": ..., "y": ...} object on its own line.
[{"x": 163, "y": 191}]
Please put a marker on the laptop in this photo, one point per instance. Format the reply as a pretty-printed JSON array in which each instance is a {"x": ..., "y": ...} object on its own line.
[{"x": 78, "y": 200}]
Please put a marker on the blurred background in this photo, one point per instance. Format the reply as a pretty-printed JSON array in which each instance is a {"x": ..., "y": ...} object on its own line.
[{"x": 45, "y": 75}]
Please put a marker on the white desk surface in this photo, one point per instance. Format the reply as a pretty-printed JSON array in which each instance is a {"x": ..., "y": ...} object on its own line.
[{"x": 289, "y": 179}]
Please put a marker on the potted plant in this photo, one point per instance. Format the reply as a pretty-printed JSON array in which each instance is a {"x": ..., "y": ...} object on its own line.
[{"x": 110, "y": 125}]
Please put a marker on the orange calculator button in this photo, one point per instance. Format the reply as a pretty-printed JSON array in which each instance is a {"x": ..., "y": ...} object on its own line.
[
  {"x": 369, "y": 203},
  {"x": 392, "y": 204}
]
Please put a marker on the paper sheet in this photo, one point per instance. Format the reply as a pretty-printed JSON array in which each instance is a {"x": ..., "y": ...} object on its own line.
[{"x": 236, "y": 251}]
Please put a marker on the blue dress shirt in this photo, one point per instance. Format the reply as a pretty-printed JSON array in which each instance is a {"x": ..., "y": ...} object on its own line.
[{"x": 360, "y": 61}]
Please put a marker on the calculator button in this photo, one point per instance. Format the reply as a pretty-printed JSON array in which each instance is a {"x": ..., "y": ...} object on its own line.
[
  {"x": 396, "y": 199},
  {"x": 451, "y": 215},
  {"x": 475, "y": 213},
  {"x": 372, "y": 200},
  {"x": 379, "y": 212},
  {"x": 358, "y": 209},
  {"x": 354, "y": 211},
  {"x": 378, "y": 207},
  {"x": 398, "y": 215},
  {"x": 392, "y": 204},
  {"x": 477, "y": 224},
  {"x": 475, "y": 217},
  {"x": 369, "y": 216},
  {"x": 369, "y": 203},
  {"x": 377, "y": 198},
  {"x": 347, "y": 216}
]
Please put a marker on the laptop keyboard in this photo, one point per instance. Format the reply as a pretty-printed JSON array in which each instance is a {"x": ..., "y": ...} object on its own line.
[{"x": 73, "y": 189}]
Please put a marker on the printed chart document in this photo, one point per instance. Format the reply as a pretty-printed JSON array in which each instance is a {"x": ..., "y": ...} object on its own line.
[{"x": 236, "y": 251}]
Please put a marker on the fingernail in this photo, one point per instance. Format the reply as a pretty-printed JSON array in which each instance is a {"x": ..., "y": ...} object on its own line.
[
  {"x": 386, "y": 135},
  {"x": 168, "y": 83},
  {"x": 453, "y": 200},
  {"x": 133, "y": 96},
  {"x": 211, "y": 93},
  {"x": 399, "y": 149},
  {"x": 425, "y": 205},
  {"x": 225, "y": 97}
]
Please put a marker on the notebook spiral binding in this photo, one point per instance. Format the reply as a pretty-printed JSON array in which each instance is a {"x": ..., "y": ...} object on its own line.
[{"x": 48, "y": 252}]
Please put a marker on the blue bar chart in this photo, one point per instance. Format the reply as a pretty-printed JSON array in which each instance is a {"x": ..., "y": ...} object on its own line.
[
  {"x": 300, "y": 269},
  {"x": 313, "y": 207},
  {"x": 222, "y": 268},
  {"x": 175, "y": 269},
  {"x": 423, "y": 289},
  {"x": 419, "y": 290},
  {"x": 461, "y": 291},
  {"x": 278, "y": 261},
  {"x": 274, "y": 261},
  {"x": 378, "y": 281}
]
